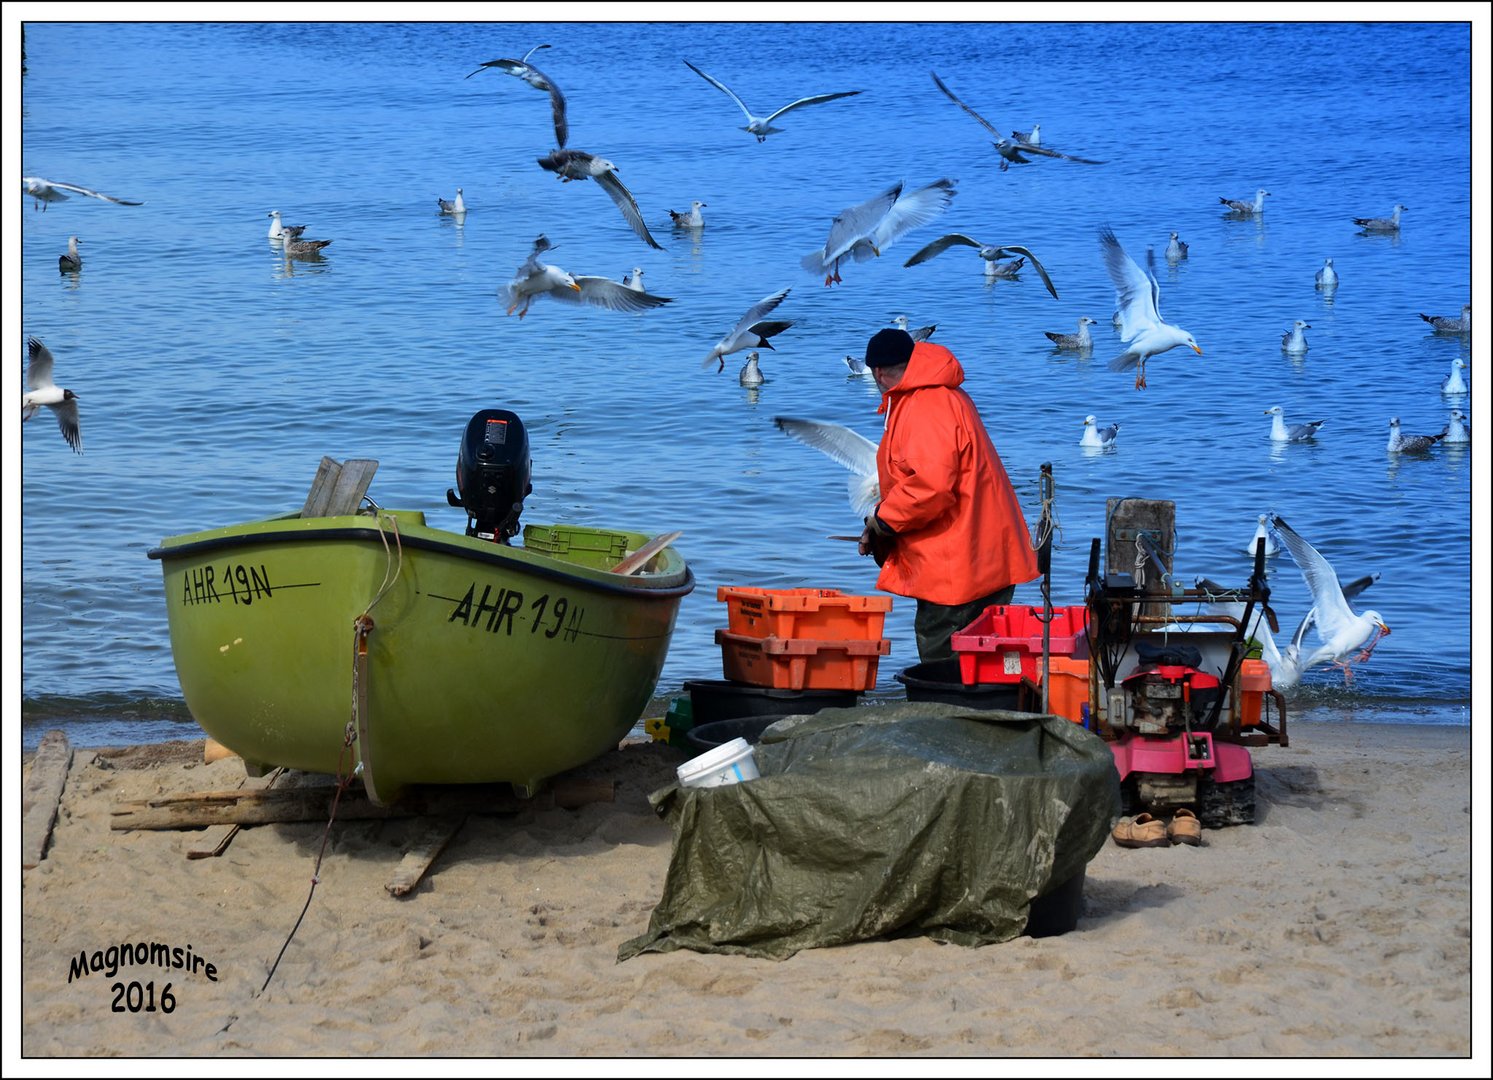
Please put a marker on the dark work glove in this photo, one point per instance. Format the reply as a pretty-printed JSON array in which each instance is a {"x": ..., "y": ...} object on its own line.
[{"x": 876, "y": 539}]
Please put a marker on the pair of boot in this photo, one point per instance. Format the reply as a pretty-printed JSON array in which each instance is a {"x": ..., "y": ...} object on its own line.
[{"x": 1143, "y": 830}]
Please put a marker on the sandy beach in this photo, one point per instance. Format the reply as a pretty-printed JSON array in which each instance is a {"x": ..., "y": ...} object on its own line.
[{"x": 1339, "y": 925}]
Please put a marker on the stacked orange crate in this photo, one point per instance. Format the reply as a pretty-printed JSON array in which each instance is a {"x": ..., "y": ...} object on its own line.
[{"x": 802, "y": 639}]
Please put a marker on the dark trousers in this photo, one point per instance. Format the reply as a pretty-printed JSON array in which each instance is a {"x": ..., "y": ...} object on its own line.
[{"x": 935, "y": 624}]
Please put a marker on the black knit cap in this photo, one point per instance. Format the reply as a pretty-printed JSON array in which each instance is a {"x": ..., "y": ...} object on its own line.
[{"x": 888, "y": 348}]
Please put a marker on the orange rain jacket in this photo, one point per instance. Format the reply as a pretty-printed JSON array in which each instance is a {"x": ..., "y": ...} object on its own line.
[{"x": 944, "y": 492}]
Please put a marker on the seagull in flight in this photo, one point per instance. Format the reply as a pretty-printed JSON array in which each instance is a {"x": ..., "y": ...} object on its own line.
[
  {"x": 1080, "y": 341},
  {"x": 578, "y": 165},
  {"x": 1340, "y": 630},
  {"x": 535, "y": 278},
  {"x": 40, "y": 390},
  {"x": 1139, "y": 297},
  {"x": 1390, "y": 224},
  {"x": 1281, "y": 432},
  {"x": 850, "y": 448},
  {"x": 1094, "y": 435},
  {"x": 1409, "y": 444},
  {"x": 1011, "y": 149},
  {"x": 1245, "y": 206},
  {"x": 989, "y": 252},
  {"x": 530, "y": 74},
  {"x": 761, "y": 126},
  {"x": 50, "y": 191},
  {"x": 863, "y": 232},
  {"x": 750, "y": 331}
]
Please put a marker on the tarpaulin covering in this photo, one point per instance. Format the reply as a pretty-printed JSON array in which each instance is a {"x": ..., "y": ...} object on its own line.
[{"x": 883, "y": 820}]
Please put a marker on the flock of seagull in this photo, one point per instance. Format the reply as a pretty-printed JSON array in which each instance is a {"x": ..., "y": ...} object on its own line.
[{"x": 856, "y": 234}]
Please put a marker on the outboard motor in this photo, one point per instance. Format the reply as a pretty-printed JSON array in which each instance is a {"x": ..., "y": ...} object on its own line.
[{"x": 492, "y": 474}]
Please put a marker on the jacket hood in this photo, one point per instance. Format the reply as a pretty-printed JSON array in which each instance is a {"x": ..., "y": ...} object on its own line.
[{"x": 929, "y": 365}]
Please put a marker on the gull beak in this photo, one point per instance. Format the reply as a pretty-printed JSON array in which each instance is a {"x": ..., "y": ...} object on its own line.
[
  {"x": 1197, "y": 350},
  {"x": 574, "y": 286},
  {"x": 1383, "y": 630}
]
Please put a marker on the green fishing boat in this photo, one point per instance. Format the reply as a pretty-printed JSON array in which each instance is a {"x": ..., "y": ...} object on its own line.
[{"x": 326, "y": 641}]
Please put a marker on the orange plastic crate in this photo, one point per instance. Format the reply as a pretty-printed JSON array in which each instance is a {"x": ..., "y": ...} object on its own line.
[
  {"x": 817, "y": 614},
  {"x": 1067, "y": 687},
  {"x": 801, "y": 663},
  {"x": 1005, "y": 642}
]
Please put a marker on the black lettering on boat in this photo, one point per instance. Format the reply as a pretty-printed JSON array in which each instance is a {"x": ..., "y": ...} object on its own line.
[
  {"x": 483, "y": 606},
  {"x": 241, "y": 575},
  {"x": 560, "y": 605},
  {"x": 261, "y": 579},
  {"x": 573, "y": 627},
  {"x": 537, "y": 607},
  {"x": 463, "y": 608},
  {"x": 512, "y": 600}
]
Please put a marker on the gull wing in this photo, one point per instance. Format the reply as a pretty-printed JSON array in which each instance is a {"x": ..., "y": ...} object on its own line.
[
  {"x": 1041, "y": 270},
  {"x": 950, "y": 94},
  {"x": 939, "y": 246},
  {"x": 629, "y": 207},
  {"x": 1137, "y": 293},
  {"x": 746, "y": 324},
  {"x": 1046, "y": 152},
  {"x": 67, "y": 423},
  {"x": 91, "y": 193},
  {"x": 539, "y": 81},
  {"x": 857, "y": 221},
  {"x": 39, "y": 369},
  {"x": 850, "y": 448},
  {"x": 723, "y": 88},
  {"x": 612, "y": 295},
  {"x": 911, "y": 210},
  {"x": 1328, "y": 602},
  {"x": 815, "y": 100}
]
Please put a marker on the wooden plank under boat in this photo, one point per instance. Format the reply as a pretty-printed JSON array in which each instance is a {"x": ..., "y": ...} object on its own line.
[{"x": 477, "y": 662}]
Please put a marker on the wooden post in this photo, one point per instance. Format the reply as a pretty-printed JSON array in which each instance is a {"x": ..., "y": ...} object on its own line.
[
  {"x": 1155, "y": 521},
  {"x": 42, "y": 794}
]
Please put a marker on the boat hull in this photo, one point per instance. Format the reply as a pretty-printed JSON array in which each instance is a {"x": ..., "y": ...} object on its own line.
[{"x": 482, "y": 663}]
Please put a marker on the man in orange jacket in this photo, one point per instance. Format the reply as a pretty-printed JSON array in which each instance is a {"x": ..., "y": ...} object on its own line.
[{"x": 948, "y": 531}]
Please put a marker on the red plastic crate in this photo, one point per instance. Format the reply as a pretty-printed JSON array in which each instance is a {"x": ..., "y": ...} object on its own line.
[
  {"x": 1005, "y": 642},
  {"x": 801, "y": 663},
  {"x": 817, "y": 614}
]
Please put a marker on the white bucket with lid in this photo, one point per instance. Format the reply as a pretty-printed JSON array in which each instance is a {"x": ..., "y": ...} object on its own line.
[{"x": 729, "y": 763}]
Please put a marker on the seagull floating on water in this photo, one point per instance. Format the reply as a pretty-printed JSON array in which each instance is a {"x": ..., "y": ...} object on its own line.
[
  {"x": 921, "y": 333},
  {"x": 1176, "y": 250},
  {"x": 1454, "y": 384},
  {"x": 1456, "y": 429},
  {"x": 1005, "y": 270},
  {"x": 1281, "y": 432},
  {"x": 297, "y": 248},
  {"x": 633, "y": 279},
  {"x": 1262, "y": 532},
  {"x": 1445, "y": 324},
  {"x": 751, "y": 371},
  {"x": 1010, "y": 150},
  {"x": 40, "y": 390},
  {"x": 535, "y": 278},
  {"x": 1340, "y": 631},
  {"x": 1409, "y": 444},
  {"x": 1327, "y": 276},
  {"x": 692, "y": 219},
  {"x": 1293, "y": 340},
  {"x": 279, "y": 230},
  {"x": 990, "y": 253},
  {"x": 452, "y": 206},
  {"x": 1139, "y": 296},
  {"x": 1094, "y": 435},
  {"x": 1244, "y": 206},
  {"x": 1031, "y": 138},
  {"x": 578, "y": 165},
  {"x": 530, "y": 74},
  {"x": 861, "y": 232},
  {"x": 850, "y": 448},
  {"x": 72, "y": 261},
  {"x": 761, "y": 126},
  {"x": 45, "y": 192},
  {"x": 1080, "y": 341},
  {"x": 750, "y": 331},
  {"x": 858, "y": 367},
  {"x": 1390, "y": 224}
]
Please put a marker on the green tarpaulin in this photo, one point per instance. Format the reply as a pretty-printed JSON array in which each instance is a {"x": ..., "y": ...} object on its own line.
[{"x": 883, "y": 820}]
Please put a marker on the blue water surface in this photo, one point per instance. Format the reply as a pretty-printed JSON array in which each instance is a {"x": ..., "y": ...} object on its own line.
[{"x": 213, "y": 374}]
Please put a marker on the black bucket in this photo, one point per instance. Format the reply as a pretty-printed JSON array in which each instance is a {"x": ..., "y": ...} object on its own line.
[
  {"x": 722, "y": 699},
  {"x": 1057, "y": 910},
  {"x": 719, "y": 732},
  {"x": 938, "y": 680}
]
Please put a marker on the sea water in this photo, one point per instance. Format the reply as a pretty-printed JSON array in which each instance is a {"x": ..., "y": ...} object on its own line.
[{"x": 213, "y": 375}]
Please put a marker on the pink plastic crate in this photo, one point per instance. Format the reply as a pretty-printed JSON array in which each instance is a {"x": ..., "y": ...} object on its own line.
[{"x": 1005, "y": 642}]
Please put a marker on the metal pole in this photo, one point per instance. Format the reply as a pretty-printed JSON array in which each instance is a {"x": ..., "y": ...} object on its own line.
[{"x": 1044, "y": 564}]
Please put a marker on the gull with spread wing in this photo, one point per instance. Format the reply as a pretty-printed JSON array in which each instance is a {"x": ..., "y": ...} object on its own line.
[
  {"x": 41, "y": 390},
  {"x": 750, "y": 332},
  {"x": 761, "y": 126},
  {"x": 860, "y": 232},
  {"x": 1341, "y": 631},
  {"x": 578, "y": 165},
  {"x": 989, "y": 252},
  {"x": 530, "y": 74},
  {"x": 850, "y": 448},
  {"x": 1139, "y": 299},
  {"x": 535, "y": 278},
  {"x": 50, "y": 191},
  {"x": 1010, "y": 150}
]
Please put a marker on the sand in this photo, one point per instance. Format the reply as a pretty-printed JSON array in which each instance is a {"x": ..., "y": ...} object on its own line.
[{"x": 1339, "y": 925}]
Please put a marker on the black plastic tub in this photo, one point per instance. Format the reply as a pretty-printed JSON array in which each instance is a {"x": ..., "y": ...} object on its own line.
[
  {"x": 1057, "y": 910},
  {"x": 719, "y": 732},
  {"x": 722, "y": 699},
  {"x": 938, "y": 680}
]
